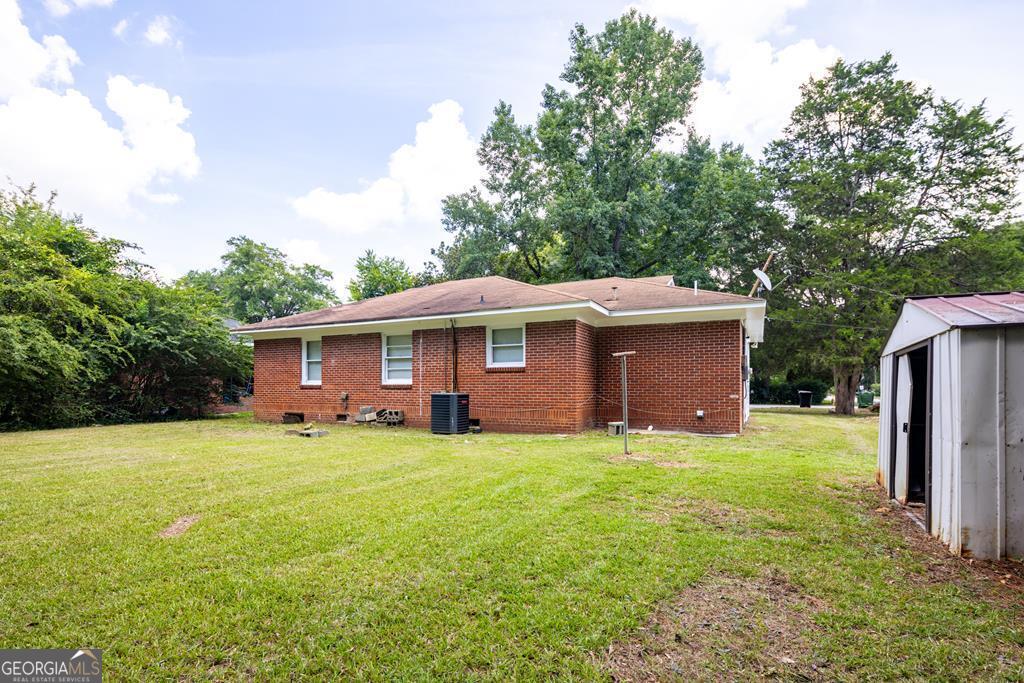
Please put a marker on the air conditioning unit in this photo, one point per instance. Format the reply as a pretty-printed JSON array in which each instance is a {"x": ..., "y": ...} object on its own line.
[{"x": 449, "y": 413}]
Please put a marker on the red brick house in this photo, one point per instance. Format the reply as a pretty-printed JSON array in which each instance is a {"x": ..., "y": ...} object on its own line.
[{"x": 532, "y": 358}]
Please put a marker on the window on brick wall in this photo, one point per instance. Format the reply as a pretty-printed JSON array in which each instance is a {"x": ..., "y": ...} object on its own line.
[
  {"x": 396, "y": 354},
  {"x": 312, "y": 361},
  {"x": 506, "y": 347}
]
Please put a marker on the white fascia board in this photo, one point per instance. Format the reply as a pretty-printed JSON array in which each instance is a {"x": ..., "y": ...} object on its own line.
[
  {"x": 392, "y": 325},
  {"x": 751, "y": 313}
]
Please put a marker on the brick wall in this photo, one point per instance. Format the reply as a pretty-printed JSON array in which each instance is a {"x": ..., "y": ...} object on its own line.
[
  {"x": 678, "y": 369},
  {"x": 569, "y": 382}
]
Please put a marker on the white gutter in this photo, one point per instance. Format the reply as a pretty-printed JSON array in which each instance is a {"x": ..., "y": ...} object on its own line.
[{"x": 685, "y": 309}]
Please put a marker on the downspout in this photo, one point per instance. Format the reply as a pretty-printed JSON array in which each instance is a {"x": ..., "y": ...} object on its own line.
[
  {"x": 446, "y": 384},
  {"x": 455, "y": 359}
]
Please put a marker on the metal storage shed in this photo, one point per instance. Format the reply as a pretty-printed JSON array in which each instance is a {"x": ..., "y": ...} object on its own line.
[{"x": 951, "y": 429}]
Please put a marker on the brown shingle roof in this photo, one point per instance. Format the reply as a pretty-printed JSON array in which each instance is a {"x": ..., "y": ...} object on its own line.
[
  {"x": 445, "y": 298},
  {"x": 497, "y": 293},
  {"x": 655, "y": 279},
  {"x": 641, "y": 293}
]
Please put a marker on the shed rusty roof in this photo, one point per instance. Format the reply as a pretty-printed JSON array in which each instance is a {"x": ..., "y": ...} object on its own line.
[
  {"x": 496, "y": 293},
  {"x": 975, "y": 310}
]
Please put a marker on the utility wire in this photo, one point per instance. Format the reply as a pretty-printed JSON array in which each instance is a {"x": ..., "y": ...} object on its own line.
[
  {"x": 809, "y": 322},
  {"x": 834, "y": 279}
]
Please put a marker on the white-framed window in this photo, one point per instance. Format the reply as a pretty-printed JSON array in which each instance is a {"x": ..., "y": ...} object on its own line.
[
  {"x": 312, "y": 361},
  {"x": 396, "y": 358},
  {"x": 506, "y": 347}
]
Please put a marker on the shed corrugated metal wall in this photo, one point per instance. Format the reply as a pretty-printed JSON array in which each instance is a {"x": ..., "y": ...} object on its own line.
[
  {"x": 1015, "y": 441},
  {"x": 945, "y": 503},
  {"x": 992, "y": 432}
]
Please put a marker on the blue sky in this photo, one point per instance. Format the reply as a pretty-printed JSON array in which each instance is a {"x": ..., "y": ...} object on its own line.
[{"x": 329, "y": 128}]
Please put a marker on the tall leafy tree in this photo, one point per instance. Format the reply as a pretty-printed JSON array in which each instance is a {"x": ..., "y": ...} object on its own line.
[
  {"x": 889, "y": 188},
  {"x": 502, "y": 229},
  {"x": 632, "y": 85},
  {"x": 379, "y": 275},
  {"x": 257, "y": 282}
]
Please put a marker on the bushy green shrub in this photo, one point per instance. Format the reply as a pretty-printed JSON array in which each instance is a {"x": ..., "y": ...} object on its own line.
[{"x": 89, "y": 336}]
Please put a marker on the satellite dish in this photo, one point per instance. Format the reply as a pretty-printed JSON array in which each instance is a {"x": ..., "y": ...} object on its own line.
[{"x": 763, "y": 278}]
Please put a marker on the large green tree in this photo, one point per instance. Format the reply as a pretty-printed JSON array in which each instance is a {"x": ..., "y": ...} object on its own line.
[
  {"x": 257, "y": 282},
  {"x": 379, "y": 275},
  {"x": 592, "y": 190},
  {"x": 632, "y": 86},
  {"x": 891, "y": 190}
]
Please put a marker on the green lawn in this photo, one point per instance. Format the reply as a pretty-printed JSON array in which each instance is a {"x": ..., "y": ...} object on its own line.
[{"x": 399, "y": 554}]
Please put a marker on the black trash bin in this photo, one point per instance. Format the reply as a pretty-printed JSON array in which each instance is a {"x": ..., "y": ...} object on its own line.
[{"x": 805, "y": 398}]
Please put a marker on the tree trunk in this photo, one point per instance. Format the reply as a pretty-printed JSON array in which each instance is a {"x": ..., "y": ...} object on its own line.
[{"x": 846, "y": 378}]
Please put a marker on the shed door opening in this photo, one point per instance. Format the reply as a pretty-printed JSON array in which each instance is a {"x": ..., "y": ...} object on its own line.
[
  {"x": 910, "y": 465},
  {"x": 919, "y": 427}
]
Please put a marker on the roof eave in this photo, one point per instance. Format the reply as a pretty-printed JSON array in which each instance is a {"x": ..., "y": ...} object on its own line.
[{"x": 584, "y": 306}]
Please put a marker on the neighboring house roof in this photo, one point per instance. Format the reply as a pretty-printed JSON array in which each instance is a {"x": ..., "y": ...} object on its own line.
[
  {"x": 498, "y": 295},
  {"x": 922, "y": 317}
]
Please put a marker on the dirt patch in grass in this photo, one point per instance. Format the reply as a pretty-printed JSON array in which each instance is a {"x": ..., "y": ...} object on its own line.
[
  {"x": 180, "y": 526},
  {"x": 999, "y": 581},
  {"x": 641, "y": 457},
  {"x": 719, "y": 516},
  {"x": 725, "y": 628}
]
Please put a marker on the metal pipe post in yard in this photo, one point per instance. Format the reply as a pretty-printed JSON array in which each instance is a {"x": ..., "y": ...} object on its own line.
[{"x": 621, "y": 355}]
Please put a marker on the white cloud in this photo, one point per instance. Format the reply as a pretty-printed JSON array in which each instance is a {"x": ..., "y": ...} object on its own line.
[
  {"x": 61, "y": 58},
  {"x": 25, "y": 62},
  {"x": 753, "y": 103},
  {"x": 120, "y": 27},
  {"x": 300, "y": 252},
  {"x": 152, "y": 126},
  {"x": 441, "y": 161},
  {"x": 61, "y": 141},
  {"x": 161, "y": 31},
  {"x": 741, "y": 21},
  {"x": 60, "y": 8},
  {"x": 752, "y": 85}
]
